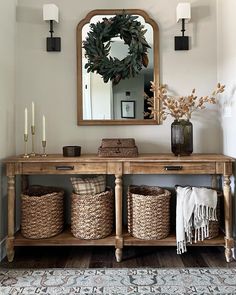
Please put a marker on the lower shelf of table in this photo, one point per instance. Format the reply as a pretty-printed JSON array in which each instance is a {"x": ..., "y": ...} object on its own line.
[
  {"x": 171, "y": 241},
  {"x": 67, "y": 239},
  {"x": 63, "y": 239}
]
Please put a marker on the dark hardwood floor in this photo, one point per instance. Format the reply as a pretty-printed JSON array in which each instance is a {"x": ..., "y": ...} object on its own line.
[{"x": 103, "y": 257}]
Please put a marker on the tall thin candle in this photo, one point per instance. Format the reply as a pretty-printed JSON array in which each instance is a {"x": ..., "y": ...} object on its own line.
[
  {"x": 26, "y": 121},
  {"x": 44, "y": 129},
  {"x": 33, "y": 113}
]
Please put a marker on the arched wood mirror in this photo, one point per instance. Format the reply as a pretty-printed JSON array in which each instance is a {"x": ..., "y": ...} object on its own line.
[{"x": 122, "y": 103}]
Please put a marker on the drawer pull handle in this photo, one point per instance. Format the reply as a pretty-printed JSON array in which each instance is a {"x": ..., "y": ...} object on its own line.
[
  {"x": 64, "y": 167},
  {"x": 173, "y": 168}
]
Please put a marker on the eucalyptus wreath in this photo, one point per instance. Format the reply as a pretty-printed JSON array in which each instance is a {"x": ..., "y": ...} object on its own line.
[{"x": 97, "y": 47}]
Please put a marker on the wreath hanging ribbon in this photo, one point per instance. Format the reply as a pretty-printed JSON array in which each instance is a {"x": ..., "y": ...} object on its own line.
[{"x": 98, "y": 45}]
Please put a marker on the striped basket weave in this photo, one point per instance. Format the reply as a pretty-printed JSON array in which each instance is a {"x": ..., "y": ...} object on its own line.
[
  {"x": 92, "y": 215},
  {"x": 214, "y": 226},
  {"x": 42, "y": 212},
  {"x": 148, "y": 212}
]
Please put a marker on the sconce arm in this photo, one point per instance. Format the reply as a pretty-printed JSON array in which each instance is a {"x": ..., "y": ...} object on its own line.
[
  {"x": 183, "y": 26},
  {"x": 51, "y": 28}
]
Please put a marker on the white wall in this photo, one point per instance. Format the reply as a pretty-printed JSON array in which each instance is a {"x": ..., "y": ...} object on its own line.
[
  {"x": 49, "y": 79},
  {"x": 226, "y": 44},
  {"x": 7, "y": 92},
  {"x": 227, "y": 71},
  {"x": 100, "y": 97}
]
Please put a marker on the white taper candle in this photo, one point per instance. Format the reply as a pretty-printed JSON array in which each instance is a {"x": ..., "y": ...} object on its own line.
[
  {"x": 33, "y": 113},
  {"x": 44, "y": 129},
  {"x": 26, "y": 121}
]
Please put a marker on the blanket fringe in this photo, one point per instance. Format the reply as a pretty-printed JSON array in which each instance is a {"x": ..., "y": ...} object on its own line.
[
  {"x": 195, "y": 224},
  {"x": 202, "y": 216},
  {"x": 181, "y": 247}
]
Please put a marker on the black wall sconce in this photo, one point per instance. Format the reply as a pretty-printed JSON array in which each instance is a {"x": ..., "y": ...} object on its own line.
[
  {"x": 51, "y": 14},
  {"x": 183, "y": 13}
]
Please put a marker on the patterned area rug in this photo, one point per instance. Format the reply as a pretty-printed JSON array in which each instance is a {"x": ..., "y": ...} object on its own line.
[{"x": 119, "y": 281}]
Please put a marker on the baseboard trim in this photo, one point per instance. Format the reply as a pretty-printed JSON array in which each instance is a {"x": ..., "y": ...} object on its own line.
[{"x": 3, "y": 249}]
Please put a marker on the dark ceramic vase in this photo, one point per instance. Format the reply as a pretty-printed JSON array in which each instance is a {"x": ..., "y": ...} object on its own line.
[{"x": 182, "y": 137}]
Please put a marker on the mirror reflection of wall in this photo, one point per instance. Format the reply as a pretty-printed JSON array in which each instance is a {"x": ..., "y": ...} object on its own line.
[
  {"x": 102, "y": 101},
  {"x": 134, "y": 86},
  {"x": 101, "y": 96}
]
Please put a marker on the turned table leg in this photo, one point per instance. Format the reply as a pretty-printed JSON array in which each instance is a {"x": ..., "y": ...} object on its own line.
[
  {"x": 11, "y": 218},
  {"x": 118, "y": 208},
  {"x": 229, "y": 242}
]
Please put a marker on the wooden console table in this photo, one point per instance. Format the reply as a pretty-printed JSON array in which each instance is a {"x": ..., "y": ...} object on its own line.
[{"x": 211, "y": 164}]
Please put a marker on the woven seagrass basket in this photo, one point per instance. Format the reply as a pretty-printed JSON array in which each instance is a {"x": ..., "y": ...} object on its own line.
[
  {"x": 118, "y": 142},
  {"x": 92, "y": 215},
  {"x": 148, "y": 212},
  {"x": 42, "y": 212},
  {"x": 214, "y": 226},
  {"x": 128, "y": 152}
]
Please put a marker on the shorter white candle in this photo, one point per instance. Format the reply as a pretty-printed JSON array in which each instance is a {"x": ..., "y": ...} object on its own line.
[
  {"x": 44, "y": 129},
  {"x": 26, "y": 121},
  {"x": 33, "y": 113}
]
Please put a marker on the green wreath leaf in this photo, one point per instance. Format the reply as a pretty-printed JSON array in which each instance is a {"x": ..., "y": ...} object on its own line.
[{"x": 97, "y": 47}]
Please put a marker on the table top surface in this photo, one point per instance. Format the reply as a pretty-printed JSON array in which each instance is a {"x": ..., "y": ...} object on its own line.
[{"x": 147, "y": 157}]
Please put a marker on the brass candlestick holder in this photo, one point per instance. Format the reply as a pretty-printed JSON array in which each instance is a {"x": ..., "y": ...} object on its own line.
[
  {"x": 32, "y": 154},
  {"x": 44, "y": 143},
  {"x": 26, "y": 155}
]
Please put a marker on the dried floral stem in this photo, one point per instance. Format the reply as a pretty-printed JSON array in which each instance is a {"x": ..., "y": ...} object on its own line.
[{"x": 180, "y": 106}]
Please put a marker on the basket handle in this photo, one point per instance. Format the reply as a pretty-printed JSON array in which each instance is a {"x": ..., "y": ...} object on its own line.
[
  {"x": 173, "y": 168},
  {"x": 64, "y": 167}
]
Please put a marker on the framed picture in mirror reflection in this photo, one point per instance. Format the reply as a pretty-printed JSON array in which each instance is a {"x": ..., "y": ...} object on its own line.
[
  {"x": 128, "y": 109},
  {"x": 99, "y": 103}
]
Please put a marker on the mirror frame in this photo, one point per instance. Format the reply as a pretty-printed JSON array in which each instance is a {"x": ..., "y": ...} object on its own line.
[{"x": 80, "y": 120}]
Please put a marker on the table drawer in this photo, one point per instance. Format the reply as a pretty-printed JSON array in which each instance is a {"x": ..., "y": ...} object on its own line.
[
  {"x": 64, "y": 168},
  {"x": 171, "y": 168}
]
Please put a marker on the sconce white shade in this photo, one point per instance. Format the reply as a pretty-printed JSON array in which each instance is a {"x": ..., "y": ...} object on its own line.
[
  {"x": 183, "y": 11},
  {"x": 50, "y": 12}
]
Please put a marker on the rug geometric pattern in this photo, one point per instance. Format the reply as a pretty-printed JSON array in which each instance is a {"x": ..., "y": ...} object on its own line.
[{"x": 147, "y": 281}]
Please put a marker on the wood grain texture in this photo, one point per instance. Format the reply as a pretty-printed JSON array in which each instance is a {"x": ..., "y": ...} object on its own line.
[
  {"x": 170, "y": 240},
  {"x": 161, "y": 168},
  {"x": 195, "y": 164},
  {"x": 64, "y": 168},
  {"x": 64, "y": 239},
  {"x": 228, "y": 216},
  {"x": 145, "y": 158},
  {"x": 67, "y": 239},
  {"x": 11, "y": 215},
  {"x": 118, "y": 216}
]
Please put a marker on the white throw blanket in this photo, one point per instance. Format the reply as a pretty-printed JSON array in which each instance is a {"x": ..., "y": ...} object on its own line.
[{"x": 194, "y": 209}]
